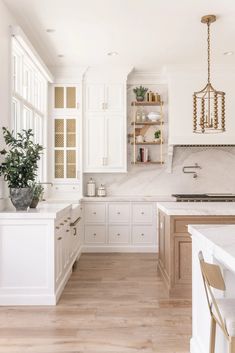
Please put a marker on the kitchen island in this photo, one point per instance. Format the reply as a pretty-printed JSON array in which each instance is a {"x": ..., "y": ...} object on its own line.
[
  {"x": 175, "y": 245},
  {"x": 217, "y": 243},
  {"x": 38, "y": 248}
]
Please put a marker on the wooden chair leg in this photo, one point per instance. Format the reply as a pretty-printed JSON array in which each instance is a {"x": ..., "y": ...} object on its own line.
[
  {"x": 212, "y": 335},
  {"x": 232, "y": 345}
]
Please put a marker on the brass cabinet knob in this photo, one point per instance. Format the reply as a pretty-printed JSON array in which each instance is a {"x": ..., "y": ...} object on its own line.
[{"x": 59, "y": 238}]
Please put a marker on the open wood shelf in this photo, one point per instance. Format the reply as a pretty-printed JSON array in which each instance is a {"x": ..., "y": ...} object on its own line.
[
  {"x": 146, "y": 103},
  {"x": 147, "y": 143},
  {"x": 150, "y": 162},
  {"x": 148, "y": 123}
]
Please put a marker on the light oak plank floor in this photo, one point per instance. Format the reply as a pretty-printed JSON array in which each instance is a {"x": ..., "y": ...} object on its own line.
[{"x": 113, "y": 303}]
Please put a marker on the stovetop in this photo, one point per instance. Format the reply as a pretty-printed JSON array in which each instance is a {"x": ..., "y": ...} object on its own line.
[{"x": 209, "y": 197}]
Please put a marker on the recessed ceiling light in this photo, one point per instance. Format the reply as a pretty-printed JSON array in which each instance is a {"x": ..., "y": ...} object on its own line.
[
  {"x": 228, "y": 53},
  {"x": 60, "y": 55},
  {"x": 50, "y": 30},
  {"x": 112, "y": 53}
]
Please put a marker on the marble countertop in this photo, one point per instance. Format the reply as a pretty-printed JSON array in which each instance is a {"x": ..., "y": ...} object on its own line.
[
  {"x": 197, "y": 208},
  {"x": 44, "y": 210},
  {"x": 219, "y": 240},
  {"x": 125, "y": 198}
]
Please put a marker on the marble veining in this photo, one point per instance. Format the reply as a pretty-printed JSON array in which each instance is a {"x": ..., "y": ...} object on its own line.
[{"x": 216, "y": 176}]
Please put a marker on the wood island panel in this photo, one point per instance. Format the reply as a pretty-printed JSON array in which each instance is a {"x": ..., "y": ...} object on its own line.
[{"x": 175, "y": 250}]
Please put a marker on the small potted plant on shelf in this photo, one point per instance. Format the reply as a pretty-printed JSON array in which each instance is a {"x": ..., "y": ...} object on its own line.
[
  {"x": 37, "y": 194},
  {"x": 140, "y": 93},
  {"x": 19, "y": 167},
  {"x": 157, "y": 135}
]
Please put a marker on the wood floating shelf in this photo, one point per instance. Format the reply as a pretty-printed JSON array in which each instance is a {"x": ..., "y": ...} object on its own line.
[
  {"x": 148, "y": 123},
  {"x": 147, "y": 143},
  {"x": 146, "y": 103},
  {"x": 150, "y": 162}
]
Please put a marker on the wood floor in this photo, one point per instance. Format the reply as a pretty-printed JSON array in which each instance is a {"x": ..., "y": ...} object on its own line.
[{"x": 112, "y": 303}]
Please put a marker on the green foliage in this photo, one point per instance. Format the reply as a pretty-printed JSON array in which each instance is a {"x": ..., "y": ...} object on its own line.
[
  {"x": 140, "y": 91},
  {"x": 38, "y": 190},
  {"x": 19, "y": 167},
  {"x": 157, "y": 134}
]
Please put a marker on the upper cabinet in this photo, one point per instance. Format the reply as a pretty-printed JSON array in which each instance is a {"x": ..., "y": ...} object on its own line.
[
  {"x": 101, "y": 98},
  {"x": 65, "y": 99},
  {"x": 105, "y": 123}
]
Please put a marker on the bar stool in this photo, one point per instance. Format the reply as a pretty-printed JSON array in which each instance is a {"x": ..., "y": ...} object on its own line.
[{"x": 222, "y": 311}]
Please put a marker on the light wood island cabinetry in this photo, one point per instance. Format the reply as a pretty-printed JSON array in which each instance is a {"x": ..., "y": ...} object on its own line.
[{"x": 175, "y": 249}]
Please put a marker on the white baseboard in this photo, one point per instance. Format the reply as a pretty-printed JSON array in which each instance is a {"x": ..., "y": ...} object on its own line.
[{"x": 123, "y": 249}]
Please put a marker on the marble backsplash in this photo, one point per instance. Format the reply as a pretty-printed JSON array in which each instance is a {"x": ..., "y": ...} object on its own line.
[{"x": 217, "y": 174}]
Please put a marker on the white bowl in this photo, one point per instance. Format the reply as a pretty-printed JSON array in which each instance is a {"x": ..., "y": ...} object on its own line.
[{"x": 154, "y": 116}]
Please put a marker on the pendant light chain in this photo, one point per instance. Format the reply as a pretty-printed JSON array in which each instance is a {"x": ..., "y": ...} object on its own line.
[{"x": 208, "y": 51}]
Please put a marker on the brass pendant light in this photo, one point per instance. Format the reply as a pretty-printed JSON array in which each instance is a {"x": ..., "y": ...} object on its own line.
[{"x": 208, "y": 104}]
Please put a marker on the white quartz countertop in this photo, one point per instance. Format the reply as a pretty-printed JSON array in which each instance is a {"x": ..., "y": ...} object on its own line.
[
  {"x": 125, "y": 198},
  {"x": 43, "y": 211},
  {"x": 197, "y": 208},
  {"x": 219, "y": 240}
]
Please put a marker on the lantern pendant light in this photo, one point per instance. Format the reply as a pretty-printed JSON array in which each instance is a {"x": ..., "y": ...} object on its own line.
[{"x": 208, "y": 104}]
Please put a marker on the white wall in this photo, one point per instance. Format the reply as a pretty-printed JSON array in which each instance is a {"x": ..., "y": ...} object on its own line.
[{"x": 5, "y": 89}]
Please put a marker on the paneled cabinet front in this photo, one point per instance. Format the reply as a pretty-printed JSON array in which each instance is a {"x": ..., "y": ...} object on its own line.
[
  {"x": 105, "y": 128},
  {"x": 119, "y": 226},
  {"x": 65, "y": 98},
  {"x": 102, "y": 98}
]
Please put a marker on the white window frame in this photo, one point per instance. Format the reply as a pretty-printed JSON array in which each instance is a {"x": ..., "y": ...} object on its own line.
[{"x": 33, "y": 97}]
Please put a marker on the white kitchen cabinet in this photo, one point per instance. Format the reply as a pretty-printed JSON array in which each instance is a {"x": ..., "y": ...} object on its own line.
[
  {"x": 65, "y": 99},
  {"x": 118, "y": 234},
  {"x": 108, "y": 98},
  {"x": 118, "y": 212},
  {"x": 142, "y": 213},
  {"x": 142, "y": 234},
  {"x": 95, "y": 234},
  {"x": 120, "y": 226},
  {"x": 105, "y": 143},
  {"x": 105, "y": 128},
  {"x": 95, "y": 212},
  {"x": 35, "y": 255}
]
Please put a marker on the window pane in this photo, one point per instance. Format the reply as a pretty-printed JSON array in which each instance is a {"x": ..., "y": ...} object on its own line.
[
  {"x": 71, "y": 133},
  {"x": 59, "y": 164},
  {"x": 28, "y": 119}
]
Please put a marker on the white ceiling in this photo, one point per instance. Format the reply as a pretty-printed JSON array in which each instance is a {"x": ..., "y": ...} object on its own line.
[{"x": 147, "y": 34}]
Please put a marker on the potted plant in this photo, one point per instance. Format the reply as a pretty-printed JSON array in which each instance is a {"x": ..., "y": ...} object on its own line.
[
  {"x": 20, "y": 165},
  {"x": 37, "y": 194},
  {"x": 157, "y": 135},
  {"x": 140, "y": 93}
]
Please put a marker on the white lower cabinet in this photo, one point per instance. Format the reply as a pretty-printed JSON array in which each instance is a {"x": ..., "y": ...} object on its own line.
[
  {"x": 118, "y": 234},
  {"x": 94, "y": 234},
  {"x": 120, "y": 226},
  {"x": 37, "y": 254},
  {"x": 142, "y": 234}
]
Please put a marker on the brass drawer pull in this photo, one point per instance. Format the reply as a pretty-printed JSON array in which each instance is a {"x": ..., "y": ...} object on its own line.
[
  {"x": 94, "y": 212},
  {"x": 142, "y": 234},
  {"x": 59, "y": 238},
  {"x": 118, "y": 234},
  {"x": 57, "y": 227},
  {"x": 118, "y": 212},
  {"x": 67, "y": 230},
  {"x": 94, "y": 234},
  {"x": 142, "y": 212},
  {"x": 61, "y": 224}
]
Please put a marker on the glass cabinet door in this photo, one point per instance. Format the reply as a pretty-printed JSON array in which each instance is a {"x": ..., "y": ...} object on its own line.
[
  {"x": 65, "y": 148},
  {"x": 65, "y": 97}
]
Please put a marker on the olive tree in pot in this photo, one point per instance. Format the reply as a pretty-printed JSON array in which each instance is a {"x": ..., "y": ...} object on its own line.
[{"x": 19, "y": 167}]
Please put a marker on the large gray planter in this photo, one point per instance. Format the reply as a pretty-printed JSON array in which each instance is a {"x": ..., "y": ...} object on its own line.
[{"x": 21, "y": 198}]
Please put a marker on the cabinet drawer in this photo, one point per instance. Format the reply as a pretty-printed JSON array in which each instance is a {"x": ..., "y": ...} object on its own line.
[
  {"x": 119, "y": 213},
  {"x": 142, "y": 213},
  {"x": 118, "y": 234},
  {"x": 95, "y": 234},
  {"x": 142, "y": 235},
  {"x": 95, "y": 213}
]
